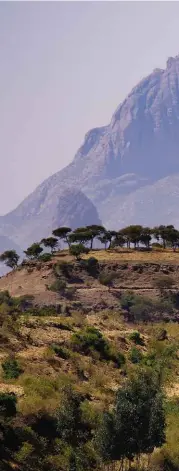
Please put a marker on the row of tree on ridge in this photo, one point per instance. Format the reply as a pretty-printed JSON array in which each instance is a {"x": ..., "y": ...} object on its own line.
[{"x": 81, "y": 240}]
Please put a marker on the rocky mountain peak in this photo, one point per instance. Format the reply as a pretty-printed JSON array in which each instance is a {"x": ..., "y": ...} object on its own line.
[{"x": 119, "y": 166}]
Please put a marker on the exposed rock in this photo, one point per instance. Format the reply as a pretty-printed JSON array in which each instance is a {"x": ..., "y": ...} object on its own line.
[{"x": 129, "y": 168}]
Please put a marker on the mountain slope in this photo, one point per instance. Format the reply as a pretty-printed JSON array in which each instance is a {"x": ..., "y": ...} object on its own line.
[
  {"x": 120, "y": 167},
  {"x": 38, "y": 215}
]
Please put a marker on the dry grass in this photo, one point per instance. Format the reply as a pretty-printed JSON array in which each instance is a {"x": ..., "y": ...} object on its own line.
[{"x": 124, "y": 255}]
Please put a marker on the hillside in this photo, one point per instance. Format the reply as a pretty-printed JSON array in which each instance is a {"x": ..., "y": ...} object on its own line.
[
  {"x": 131, "y": 165},
  {"x": 38, "y": 329}
]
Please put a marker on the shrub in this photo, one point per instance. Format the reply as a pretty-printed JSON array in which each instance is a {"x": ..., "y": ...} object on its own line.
[
  {"x": 163, "y": 282},
  {"x": 8, "y": 404},
  {"x": 58, "y": 286},
  {"x": 11, "y": 369},
  {"x": 135, "y": 355},
  {"x": 91, "y": 340},
  {"x": 45, "y": 257},
  {"x": 92, "y": 266},
  {"x": 70, "y": 292},
  {"x": 141, "y": 311},
  {"x": 44, "y": 311},
  {"x": 127, "y": 300},
  {"x": 106, "y": 279},
  {"x": 136, "y": 338},
  {"x": 157, "y": 245},
  {"x": 62, "y": 268},
  {"x": 77, "y": 250},
  {"x": 60, "y": 351}
]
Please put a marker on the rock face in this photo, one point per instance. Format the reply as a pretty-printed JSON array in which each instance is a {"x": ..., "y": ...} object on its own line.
[
  {"x": 129, "y": 168},
  {"x": 35, "y": 219}
]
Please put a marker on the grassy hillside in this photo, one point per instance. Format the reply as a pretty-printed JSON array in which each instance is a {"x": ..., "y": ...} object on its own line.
[{"x": 89, "y": 326}]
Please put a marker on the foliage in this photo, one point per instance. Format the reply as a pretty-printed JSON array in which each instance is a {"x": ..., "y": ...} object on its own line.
[
  {"x": 135, "y": 355},
  {"x": 33, "y": 251},
  {"x": 10, "y": 257},
  {"x": 11, "y": 368},
  {"x": 106, "y": 279},
  {"x": 7, "y": 405},
  {"x": 58, "y": 286},
  {"x": 136, "y": 338},
  {"x": 50, "y": 242},
  {"x": 163, "y": 282},
  {"x": 62, "y": 268},
  {"x": 62, "y": 233},
  {"x": 91, "y": 340},
  {"x": 45, "y": 257},
  {"x": 77, "y": 250},
  {"x": 60, "y": 351},
  {"x": 92, "y": 266},
  {"x": 137, "y": 423}
]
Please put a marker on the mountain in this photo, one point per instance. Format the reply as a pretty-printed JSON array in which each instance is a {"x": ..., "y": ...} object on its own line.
[
  {"x": 37, "y": 216},
  {"x": 129, "y": 168}
]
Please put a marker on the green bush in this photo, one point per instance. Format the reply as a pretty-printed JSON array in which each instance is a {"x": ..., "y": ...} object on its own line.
[
  {"x": 136, "y": 338},
  {"x": 44, "y": 311},
  {"x": 7, "y": 405},
  {"x": 163, "y": 282},
  {"x": 92, "y": 266},
  {"x": 91, "y": 340},
  {"x": 45, "y": 257},
  {"x": 106, "y": 279},
  {"x": 58, "y": 286},
  {"x": 127, "y": 300},
  {"x": 60, "y": 351},
  {"x": 135, "y": 355},
  {"x": 62, "y": 268},
  {"x": 70, "y": 292},
  {"x": 77, "y": 250},
  {"x": 11, "y": 368}
]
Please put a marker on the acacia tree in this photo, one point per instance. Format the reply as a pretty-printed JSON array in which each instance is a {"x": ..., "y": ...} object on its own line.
[
  {"x": 50, "y": 242},
  {"x": 33, "y": 251},
  {"x": 87, "y": 234},
  {"x": 132, "y": 234},
  {"x": 10, "y": 258},
  {"x": 145, "y": 236},
  {"x": 80, "y": 236},
  {"x": 62, "y": 233},
  {"x": 108, "y": 237},
  {"x": 94, "y": 231}
]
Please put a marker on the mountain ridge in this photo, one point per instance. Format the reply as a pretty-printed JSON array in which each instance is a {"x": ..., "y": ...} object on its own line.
[{"x": 119, "y": 163}]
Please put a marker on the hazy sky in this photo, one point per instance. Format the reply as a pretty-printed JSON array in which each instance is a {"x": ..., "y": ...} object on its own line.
[{"x": 64, "y": 68}]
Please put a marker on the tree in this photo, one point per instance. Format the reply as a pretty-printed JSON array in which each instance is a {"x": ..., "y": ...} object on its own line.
[
  {"x": 79, "y": 236},
  {"x": 10, "y": 257},
  {"x": 104, "y": 239},
  {"x": 118, "y": 240},
  {"x": 33, "y": 251},
  {"x": 145, "y": 236},
  {"x": 166, "y": 234},
  {"x": 132, "y": 234},
  {"x": 50, "y": 242},
  {"x": 94, "y": 230},
  {"x": 77, "y": 250},
  {"x": 62, "y": 233},
  {"x": 87, "y": 234},
  {"x": 139, "y": 415},
  {"x": 137, "y": 423}
]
